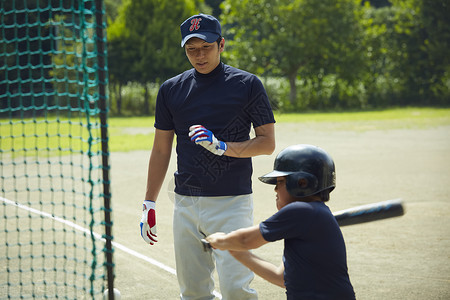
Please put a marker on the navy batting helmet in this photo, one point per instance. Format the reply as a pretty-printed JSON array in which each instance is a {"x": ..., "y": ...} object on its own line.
[{"x": 308, "y": 170}]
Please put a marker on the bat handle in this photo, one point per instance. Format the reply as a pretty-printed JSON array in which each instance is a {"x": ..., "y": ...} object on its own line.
[{"x": 206, "y": 245}]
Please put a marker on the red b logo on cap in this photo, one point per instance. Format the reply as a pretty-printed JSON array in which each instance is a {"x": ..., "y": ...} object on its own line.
[{"x": 195, "y": 24}]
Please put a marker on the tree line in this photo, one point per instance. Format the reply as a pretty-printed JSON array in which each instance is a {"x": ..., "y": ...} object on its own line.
[{"x": 310, "y": 55}]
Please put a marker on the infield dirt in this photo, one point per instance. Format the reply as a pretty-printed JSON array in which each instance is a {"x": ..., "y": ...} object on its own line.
[{"x": 401, "y": 258}]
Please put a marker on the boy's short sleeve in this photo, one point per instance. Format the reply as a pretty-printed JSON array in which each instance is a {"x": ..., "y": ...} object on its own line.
[{"x": 291, "y": 221}]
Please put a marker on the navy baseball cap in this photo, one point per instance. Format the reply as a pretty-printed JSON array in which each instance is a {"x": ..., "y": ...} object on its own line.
[{"x": 202, "y": 26}]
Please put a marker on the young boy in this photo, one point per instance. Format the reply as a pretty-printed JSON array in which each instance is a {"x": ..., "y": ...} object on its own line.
[{"x": 314, "y": 260}]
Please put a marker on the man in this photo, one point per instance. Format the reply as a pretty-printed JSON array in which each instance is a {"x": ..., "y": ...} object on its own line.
[
  {"x": 314, "y": 261},
  {"x": 211, "y": 109}
]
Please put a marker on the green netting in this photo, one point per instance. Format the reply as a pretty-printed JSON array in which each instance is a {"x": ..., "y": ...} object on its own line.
[{"x": 55, "y": 231}]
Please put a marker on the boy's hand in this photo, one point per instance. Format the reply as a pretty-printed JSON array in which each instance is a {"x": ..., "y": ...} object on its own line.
[{"x": 214, "y": 240}]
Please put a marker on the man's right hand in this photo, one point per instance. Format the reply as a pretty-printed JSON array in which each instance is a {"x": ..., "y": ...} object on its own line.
[{"x": 148, "y": 222}]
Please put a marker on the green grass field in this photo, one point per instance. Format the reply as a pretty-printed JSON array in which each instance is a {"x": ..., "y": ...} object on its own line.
[
  {"x": 128, "y": 134},
  {"x": 136, "y": 133}
]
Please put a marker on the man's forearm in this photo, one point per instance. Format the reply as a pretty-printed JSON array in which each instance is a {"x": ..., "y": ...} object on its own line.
[
  {"x": 262, "y": 144},
  {"x": 159, "y": 162},
  {"x": 259, "y": 145},
  {"x": 157, "y": 169}
]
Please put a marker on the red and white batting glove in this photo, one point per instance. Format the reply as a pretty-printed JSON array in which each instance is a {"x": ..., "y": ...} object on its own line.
[
  {"x": 203, "y": 137},
  {"x": 148, "y": 222}
]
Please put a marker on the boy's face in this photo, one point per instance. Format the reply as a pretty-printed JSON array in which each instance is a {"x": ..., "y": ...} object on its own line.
[
  {"x": 283, "y": 196},
  {"x": 203, "y": 56}
]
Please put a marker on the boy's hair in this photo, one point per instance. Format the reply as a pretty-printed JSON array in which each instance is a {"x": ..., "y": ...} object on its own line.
[{"x": 324, "y": 195}]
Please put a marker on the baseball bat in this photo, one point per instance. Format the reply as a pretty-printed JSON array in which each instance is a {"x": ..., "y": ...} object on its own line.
[
  {"x": 206, "y": 245},
  {"x": 360, "y": 214},
  {"x": 370, "y": 212}
]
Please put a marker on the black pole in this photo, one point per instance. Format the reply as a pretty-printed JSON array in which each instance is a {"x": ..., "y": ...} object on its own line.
[{"x": 101, "y": 58}]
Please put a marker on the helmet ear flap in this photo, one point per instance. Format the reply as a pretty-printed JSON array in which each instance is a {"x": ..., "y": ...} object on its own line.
[{"x": 301, "y": 184}]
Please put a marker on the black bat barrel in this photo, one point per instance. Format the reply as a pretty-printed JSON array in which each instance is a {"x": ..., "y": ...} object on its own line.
[{"x": 370, "y": 212}]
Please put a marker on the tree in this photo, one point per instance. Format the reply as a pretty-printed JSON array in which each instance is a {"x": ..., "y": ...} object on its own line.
[
  {"x": 294, "y": 38},
  {"x": 26, "y": 41},
  {"x": 120, "y": 57},
  {"x": 436, "y": 24},
  {"x": 112, "y": 8},
  {"x": 145, "y": 41},
  {"x": 215, "y": 7},
  {"x": 423, "y": 27},
  {"x": 409, "y": 44}
]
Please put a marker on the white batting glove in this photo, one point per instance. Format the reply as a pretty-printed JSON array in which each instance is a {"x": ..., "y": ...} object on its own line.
[
  {"x": 203, "y": 137},
  {"x": 148, "y": 222}
]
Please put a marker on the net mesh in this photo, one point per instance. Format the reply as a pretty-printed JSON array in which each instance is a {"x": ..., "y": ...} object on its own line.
[{"x": 52, "y": 163}]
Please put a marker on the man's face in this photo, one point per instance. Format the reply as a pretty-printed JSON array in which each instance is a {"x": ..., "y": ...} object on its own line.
[
  {"x": 283, "y": 196},
  {"x": 203, "y": 56}
]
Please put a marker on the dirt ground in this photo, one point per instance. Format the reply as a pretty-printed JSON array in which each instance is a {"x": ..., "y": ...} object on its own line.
[{"x": 401, "y": 258}]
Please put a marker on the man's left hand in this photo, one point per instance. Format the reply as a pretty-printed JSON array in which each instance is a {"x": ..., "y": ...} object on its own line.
[{"x": 203, "y": 137}]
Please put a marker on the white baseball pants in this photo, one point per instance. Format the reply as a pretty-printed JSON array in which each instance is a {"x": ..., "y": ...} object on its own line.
[{"x": 197, "y": 217}]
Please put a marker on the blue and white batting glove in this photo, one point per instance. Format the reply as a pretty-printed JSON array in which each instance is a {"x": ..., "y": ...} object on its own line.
[
  {"x": 148, "y": 222},
  {"x": 203, "y": 137}
]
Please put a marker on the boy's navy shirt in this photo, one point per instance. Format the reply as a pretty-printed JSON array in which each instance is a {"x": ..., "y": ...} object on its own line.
[
  {"x": 314, "y": 258},
  {"x": 227, "y": 102}
]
